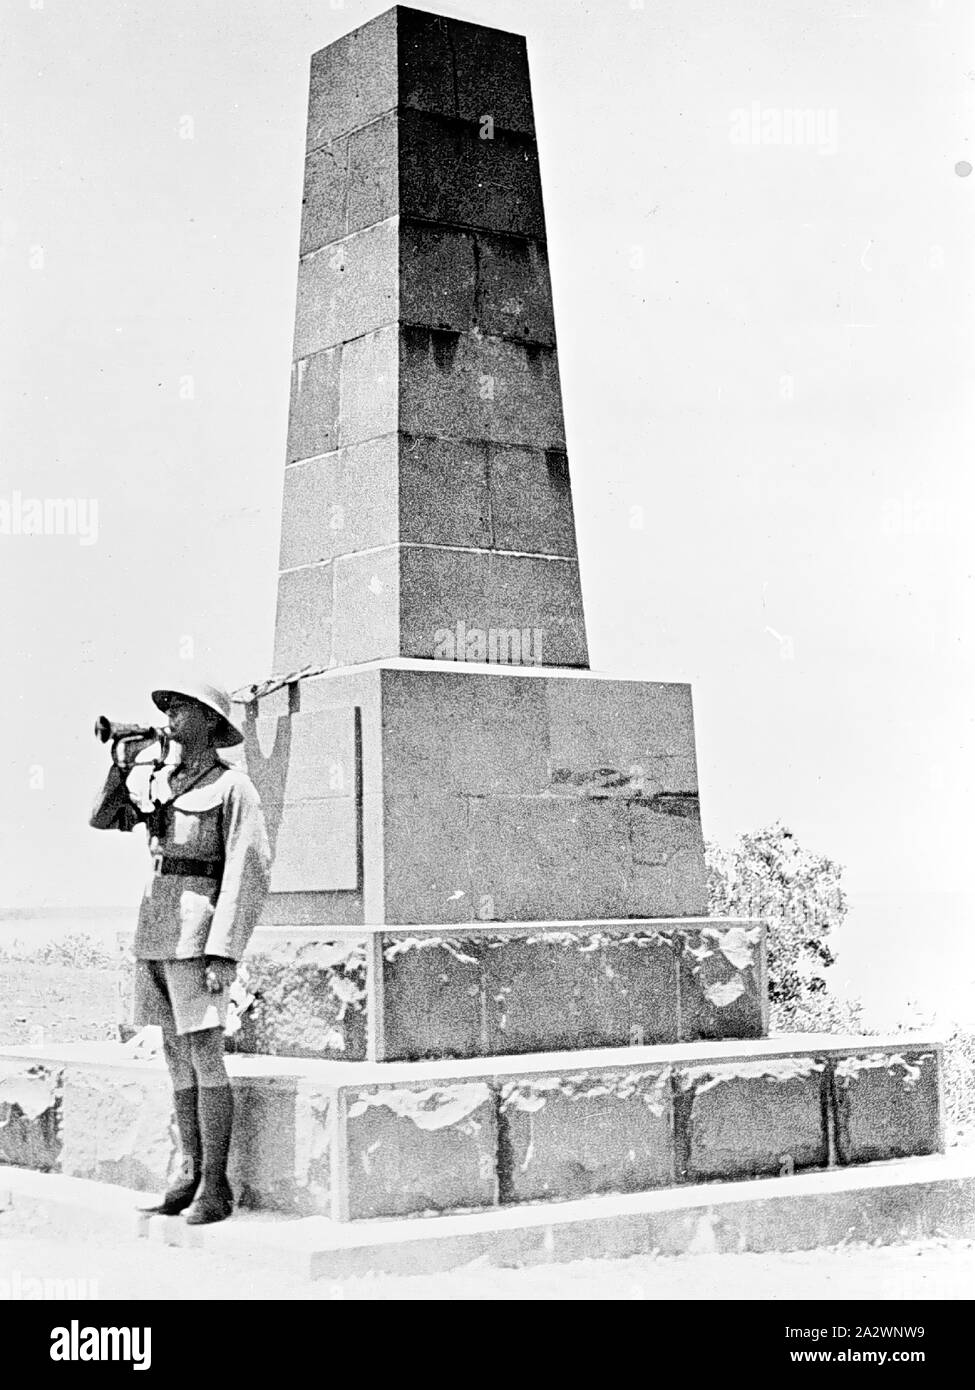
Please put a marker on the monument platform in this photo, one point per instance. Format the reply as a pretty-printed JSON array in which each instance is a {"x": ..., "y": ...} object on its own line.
[
  {"x": 879, "y": 1203},
  {"x": 364, "y": 1140},
  {"x": 489, "y": 989}
]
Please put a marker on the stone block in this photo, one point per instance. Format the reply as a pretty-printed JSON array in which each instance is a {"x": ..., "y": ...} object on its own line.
[
  {"x": 323, "y": 217},
  {"x": 629, "y": 738},
  {"x": 532, "y": 606},
  {"x": 475, "y": 736},
  {"x": 448, "y": 173},
  {"x": 370, "y": 376},
  {"x": 372, "y": 192},
  {"x": 313, "y": 756},
  {"x": 887, "y": 1105},
  {"x": 353, "y": 80},
  {"x": 675, "y": 889},
  {"x": 663, "y": 826},
  {"x": 544, "y": 858},
  {"x": 367, "y": 606},
  {"x": 340, "y": 503},
  {"x": 543, "y": 995},
  {"x": 438, "y": 276},
  {"x": 117, "y": 1126},
  {"x": 639, "y": 989},
  {"x": 492, "y": 76},
  {"x": 310, "y": 999},
  {"x": 426, "y": 875},
  {"x": 572, "y": 988},
  {"x": 514, "y": 289},
  {"x": 412, "y": 1149},
  {"x": 427, "y": 74},
  {"x": 443, "y": 492},
  {"x": 572, "y": 1135},
  {"x": 465, "y": 386},
  {"x": 316, "y": 846},
  {"x": 303, "y": 626},
  {"x": 347, "y": 289},
  {"x": 313, "y": 421},
  {"x": 30, "y": 1096},
  {"x": 461, "y": 281},
  {"x": 465, "y": 70},
  {"x": 742, "y": 1119},
  {"x": 531, "y": 501},
  {"x": 721, "y": 989},
  {"x": 286, "y": 1163},
  {"x": 433, "y": 997}
]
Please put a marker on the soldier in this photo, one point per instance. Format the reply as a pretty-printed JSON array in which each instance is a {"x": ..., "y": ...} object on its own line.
[{"x": 210, "y": 863}]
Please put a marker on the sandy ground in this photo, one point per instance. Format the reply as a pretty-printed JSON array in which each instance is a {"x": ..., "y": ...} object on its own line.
[
  {"x": 68, "y": 1004},
  {"x": 123, "y": 1269}
]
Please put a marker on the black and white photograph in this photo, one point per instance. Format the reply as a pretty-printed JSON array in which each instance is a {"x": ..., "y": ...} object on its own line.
[{"x": 487, "y": 605}]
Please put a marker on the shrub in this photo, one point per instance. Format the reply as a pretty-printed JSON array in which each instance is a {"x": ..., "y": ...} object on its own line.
[{"x": 768, "y": 874}]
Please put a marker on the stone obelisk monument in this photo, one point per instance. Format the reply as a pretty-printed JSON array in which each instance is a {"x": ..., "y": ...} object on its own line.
[
  {"x": 427, "y": 488},
  {"x": 458, "y": 762}
]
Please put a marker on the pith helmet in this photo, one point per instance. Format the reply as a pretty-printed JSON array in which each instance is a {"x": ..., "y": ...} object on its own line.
[{"x": 214, "y": 697}]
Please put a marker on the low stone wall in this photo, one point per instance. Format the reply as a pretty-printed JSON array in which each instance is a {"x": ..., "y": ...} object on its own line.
[{"x": 365, "y": 1140}]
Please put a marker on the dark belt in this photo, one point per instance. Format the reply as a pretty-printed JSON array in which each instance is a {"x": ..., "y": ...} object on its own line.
[{"x": 188, "y": 868}]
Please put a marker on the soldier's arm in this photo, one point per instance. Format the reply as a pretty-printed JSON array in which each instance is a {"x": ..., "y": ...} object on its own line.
[
  {"x": 114, "y": 808},
  {"x": 246, "y": 872}
]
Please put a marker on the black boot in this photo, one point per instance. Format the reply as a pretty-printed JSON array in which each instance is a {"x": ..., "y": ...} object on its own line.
[
  {"x": 214, "y": 1200},
  {"x": 181, "y": 1193}
]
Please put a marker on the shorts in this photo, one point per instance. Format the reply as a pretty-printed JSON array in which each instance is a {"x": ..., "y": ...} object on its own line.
[{"x": 172, "y": 994}]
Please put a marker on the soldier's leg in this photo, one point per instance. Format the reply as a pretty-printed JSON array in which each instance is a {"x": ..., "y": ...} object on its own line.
[
  {"x": 206, "y": 1049},
  {"x": 214, "y": 1198},
  {"x": 179, "y": 1060}
]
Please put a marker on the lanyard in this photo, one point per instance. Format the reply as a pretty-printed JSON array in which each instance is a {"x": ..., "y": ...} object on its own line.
[{"x": 156, "y": 815}]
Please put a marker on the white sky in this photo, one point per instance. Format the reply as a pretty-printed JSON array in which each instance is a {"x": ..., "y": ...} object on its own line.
[{"x": 697, "y": 283}]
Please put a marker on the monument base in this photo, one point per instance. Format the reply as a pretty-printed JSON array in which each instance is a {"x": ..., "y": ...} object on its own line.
[
  {"x": 492, "y": 989},
  {"x": 444, "y": 792}
]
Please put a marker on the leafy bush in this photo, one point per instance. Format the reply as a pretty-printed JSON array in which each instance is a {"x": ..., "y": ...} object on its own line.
[{"x": 767, "y": 874}]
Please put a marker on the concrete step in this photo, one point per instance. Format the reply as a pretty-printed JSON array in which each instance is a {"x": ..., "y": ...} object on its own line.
[
  {"x": 877, "y": 1203},
  {"x": 487, "y": 989},
  {"x": 356, "y": 1141}
]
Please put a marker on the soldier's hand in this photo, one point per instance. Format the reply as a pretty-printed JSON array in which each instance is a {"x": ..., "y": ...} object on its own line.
[{"x": 124, "y": 753}]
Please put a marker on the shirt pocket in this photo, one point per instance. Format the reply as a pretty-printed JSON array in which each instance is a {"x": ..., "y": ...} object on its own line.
[
  {"x": 195, "y": 913},
  {"x": 196, "y": 834}
]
